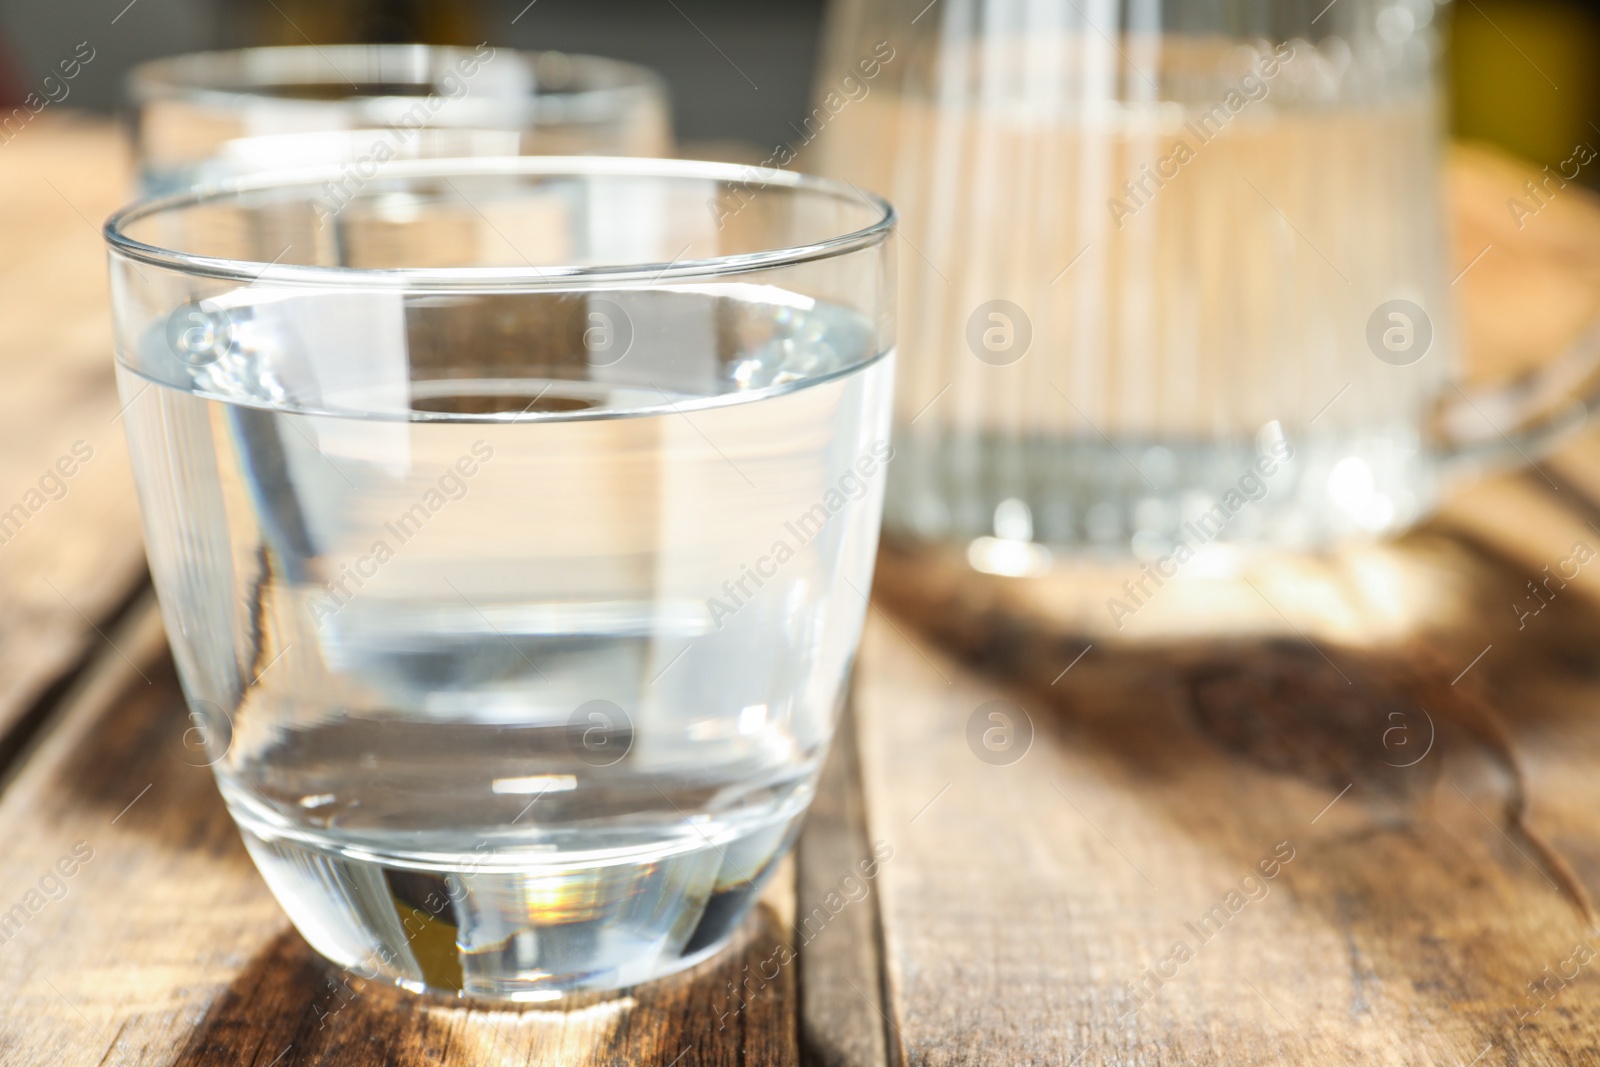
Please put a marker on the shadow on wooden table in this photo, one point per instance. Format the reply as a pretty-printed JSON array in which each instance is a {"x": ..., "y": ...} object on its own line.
[
  {"x": 1454, "y": 852},
  {"x": 291, "y": 1003}
]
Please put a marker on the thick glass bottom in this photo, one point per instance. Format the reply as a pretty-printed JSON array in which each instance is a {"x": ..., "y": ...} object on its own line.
[
  {"x": 1019, "y": 500},
  {"x": 527, "y": 929}
]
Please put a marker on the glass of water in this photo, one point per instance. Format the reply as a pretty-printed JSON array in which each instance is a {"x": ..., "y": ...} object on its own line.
[
  {"x": 512, "y": 526},
  {"x": 213, "y": 115}
]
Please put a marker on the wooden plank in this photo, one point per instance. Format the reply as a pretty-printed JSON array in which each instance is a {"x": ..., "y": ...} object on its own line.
[
  {"x": 842, "y": 1018},
  {"x": 164, "y": 947},
  {"x": 1064, "y": 907},
  {"x": 70, "y": 552},
  {"x": 1527, "y": 284}
]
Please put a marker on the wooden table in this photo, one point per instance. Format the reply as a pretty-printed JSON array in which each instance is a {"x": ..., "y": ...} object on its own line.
[{"x": 1356, "y": 821}]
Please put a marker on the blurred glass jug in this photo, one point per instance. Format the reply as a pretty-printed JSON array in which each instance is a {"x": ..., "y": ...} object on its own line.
[{"x": 1174, "y": 274}]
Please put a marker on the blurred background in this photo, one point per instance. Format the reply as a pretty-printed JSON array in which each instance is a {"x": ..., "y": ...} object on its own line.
[
  {"x": 1523, "y": 74},
  {"x": 747, "y": 85}
]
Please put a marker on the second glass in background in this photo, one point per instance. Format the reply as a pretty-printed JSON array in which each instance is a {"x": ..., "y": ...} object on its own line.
[{"x": 214, "y": 115}]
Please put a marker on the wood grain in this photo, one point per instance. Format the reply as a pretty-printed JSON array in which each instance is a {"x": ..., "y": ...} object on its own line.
[
  {"x": 842, "y": 1018},
  {"x": 1443, "y": 843},
  {"x": 70, "y": 551}
]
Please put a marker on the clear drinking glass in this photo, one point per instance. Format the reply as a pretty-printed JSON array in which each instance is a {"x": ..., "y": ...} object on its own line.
[
  {"x": 1180, "y": 274},
  {"x": 214, "y": 115},
  {"x": 512, "y": 530}
]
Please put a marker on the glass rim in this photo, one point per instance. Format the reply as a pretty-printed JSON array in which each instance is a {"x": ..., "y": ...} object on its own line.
[
  {"x": 193, "y": 76},
  {"x": 528, "y": 277}
]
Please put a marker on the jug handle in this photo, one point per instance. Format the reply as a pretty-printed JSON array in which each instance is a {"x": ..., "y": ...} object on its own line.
[{"x": 1509, "y": 423}]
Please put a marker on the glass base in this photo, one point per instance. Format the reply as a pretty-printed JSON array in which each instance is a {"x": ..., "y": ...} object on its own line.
[
  {"x": 1021, "y": 503},
  {"x": 530, "y": 933}
]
